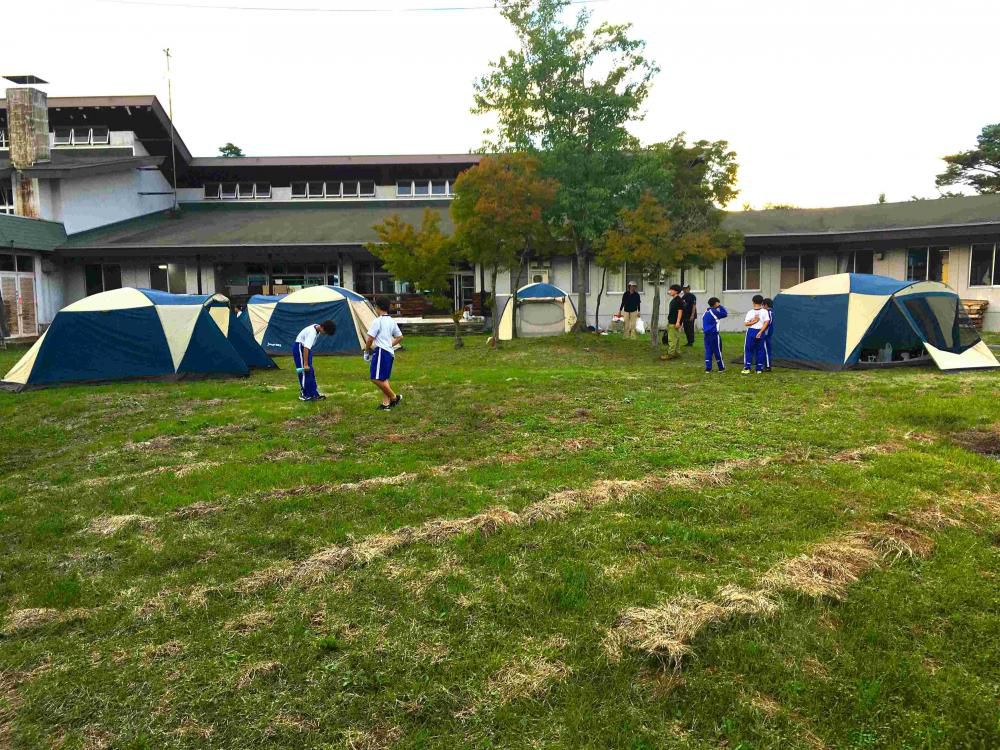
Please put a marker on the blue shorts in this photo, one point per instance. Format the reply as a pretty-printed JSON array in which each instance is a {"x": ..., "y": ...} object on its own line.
[{"x": 381, "y": 364}]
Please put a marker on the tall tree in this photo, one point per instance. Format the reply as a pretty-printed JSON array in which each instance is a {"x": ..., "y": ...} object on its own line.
[
  {"x": 979, "y": 168},
  {"x": 498, "y": 214},
  {"x": 569, "y": 94},
  {"x": 231, "y": 150},
  {"x": 424, "y": 257}
]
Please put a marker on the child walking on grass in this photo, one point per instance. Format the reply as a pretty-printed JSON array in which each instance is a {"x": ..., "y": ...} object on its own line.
[
  {"x": 382, "y": 337},
  {"x": 756, "y": 322},
  {"x": 710, "y": 332},
  {"x": 302, "y": 353}
]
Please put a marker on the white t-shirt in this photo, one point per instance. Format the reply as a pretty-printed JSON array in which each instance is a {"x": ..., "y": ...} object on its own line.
[
  {"x": 384, "y": 330},
  {"x": 762, "y": 316},
  {"x": 307, "y": 337}
]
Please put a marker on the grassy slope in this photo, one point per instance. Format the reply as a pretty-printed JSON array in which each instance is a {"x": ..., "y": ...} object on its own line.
[{"x": 489, "y": 641}]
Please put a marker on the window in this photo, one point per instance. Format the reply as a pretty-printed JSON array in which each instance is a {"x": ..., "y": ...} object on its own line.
[
  {"x": 856, "y": 261},
  {"x": 371, "y": 278},
  {"x": 102, "y": 277},
  {"x": 228, "y": 191},
  {"x": 350, "y": 189},
  {"x": 581, "y": 282},
  {"x": 299, "y": 190},
  {"x": 168, "y": 277},
  {"x": 742, "y": 273},
  {"x": 404, "y": 189},
  {"x": 795, "y": 269},
  {"x": 633, "y": 275},
  {"x": 367, "y": 188},
  {"x": 620, "y": 276},
  {"x": 82, "y": 135},
  {"x": 262, "y": 189},
  {"x": 927, "y": 264},
  {"x": 25, "y": 264},
  {"x": 212, "y": 190},
  {"x": 63, "y": 136},
  {"x": 333, "y": 190},
  {"x": 237, "y": 190},
  {"x": 6, "y": 199},
  {"x": 984, "y": 268},
  {"x": 439, "y": 187},
  {"x": 244, "y": 190},
  {"x": 316, "y": 189},
  {"x": 696, "y": 277},
  {"x": 100, "y": 135},
  {"x": 4, "y": 144},
  {"x": 6, "y": 262},
  {"x": 421, "y": 188}
]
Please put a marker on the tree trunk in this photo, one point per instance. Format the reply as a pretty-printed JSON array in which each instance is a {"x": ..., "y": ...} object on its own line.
[
  {"x": 457, "y": 318},
  {"x": 493, "y": 307},
  {"x": 517, "y": 285},
  {"x": 654, "y": 315},
  {"x": 581, "y": 297},
  {"x": 600, "y": 292}
]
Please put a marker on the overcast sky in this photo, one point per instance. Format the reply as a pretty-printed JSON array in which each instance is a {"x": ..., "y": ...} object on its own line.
[{"x": 827, "y": 102}]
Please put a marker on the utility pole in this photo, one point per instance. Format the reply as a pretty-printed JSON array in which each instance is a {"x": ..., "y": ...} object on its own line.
[{"x": 170, "y": 114}]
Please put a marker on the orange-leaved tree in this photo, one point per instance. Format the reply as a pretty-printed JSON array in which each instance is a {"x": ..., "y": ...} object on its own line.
[{"x": 499, "y": 218}]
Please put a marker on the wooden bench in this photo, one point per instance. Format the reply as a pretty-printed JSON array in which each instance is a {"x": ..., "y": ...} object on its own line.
[{"x": 976, "y": 310}]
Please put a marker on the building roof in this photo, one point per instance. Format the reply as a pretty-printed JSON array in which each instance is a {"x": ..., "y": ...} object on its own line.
[
  {"x": 30, "y": 234},
  {"x": 256, "y": 224},
  {"x": 886, "y": 218}
]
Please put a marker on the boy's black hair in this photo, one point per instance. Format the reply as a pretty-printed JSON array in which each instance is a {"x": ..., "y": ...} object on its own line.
[
  {"x": 768, "y": 301},
  {"x": 676, "y": 287},
  {"x": 758, "y": 300},
  {"x": 382, "y": 303},
  {"x": 713, "y": 301},
  {"x": 329, "y": 327}
]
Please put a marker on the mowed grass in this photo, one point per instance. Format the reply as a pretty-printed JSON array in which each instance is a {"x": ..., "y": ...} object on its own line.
[{"x": 152, "y": 541}]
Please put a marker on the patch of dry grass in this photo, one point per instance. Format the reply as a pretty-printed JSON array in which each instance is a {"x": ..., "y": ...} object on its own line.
[
  {"x": 375, "y": 738},
  {"x": 21, "y": 620},
  {"x": 250, "y": 622},
  {"x": 894, "y": 541},
  {"x": 258, "y": 671},
  {"x": 196, "y": 510},
  {"x": 826, "y": 571},
  {"x": 526, "y": 678},
  {"x": 111, "y": 525},
  {"x": 665, "y": 631}
]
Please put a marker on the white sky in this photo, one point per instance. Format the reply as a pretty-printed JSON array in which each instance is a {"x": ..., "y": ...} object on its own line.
[{"x": 827, "y": 102}]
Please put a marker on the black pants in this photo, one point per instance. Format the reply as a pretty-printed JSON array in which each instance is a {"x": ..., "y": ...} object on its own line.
[{"x": 689, "y": 330}]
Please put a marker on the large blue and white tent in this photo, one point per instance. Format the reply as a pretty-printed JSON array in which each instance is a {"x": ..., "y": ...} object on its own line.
[
  {"x": 239, "y": 335},
  {"x": 851, "y": 320},
  {"x": 542, "y": 310},
  {"x": 276, "y": 320},
  {"x": 128, "y": 334}
]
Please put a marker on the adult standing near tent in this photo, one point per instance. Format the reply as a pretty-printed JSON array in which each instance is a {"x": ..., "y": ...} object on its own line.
[
  {"x": 629, "y": 308},
  {"x": 690, "y": 313},
  {"x": 675, "y": 320},
  {"x": 305, "y": 342}
]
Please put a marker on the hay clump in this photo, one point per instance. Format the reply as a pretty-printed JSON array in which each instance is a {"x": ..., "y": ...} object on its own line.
[
  {"x": 111, "y": 525},
  {"x": 935, "y": 518},
  {"x": 737, "y": 600},
  {"x": 526, "y": 678},
  {"x": 858, "y": 455},
  {"x": 555, "y": 507},
  {"x": 250, "y": 623},
  {"x": 168, "y": 650},
  {"x": 376, "y": 738},
  {"x": 663, "y": 632},
  {"x": 712, "y": 476},
  {"x": 265, "y": 577},
  {"x": 894, "y": 541},
  {"x": 486, "y": 523},
  {"x": 827, "y": 571},
  {"x": 182, "y": 471},
  {"x": 258, "y": 670},
  {"x": 21, "y": 620},
  {"x": 196, "y": 510}
]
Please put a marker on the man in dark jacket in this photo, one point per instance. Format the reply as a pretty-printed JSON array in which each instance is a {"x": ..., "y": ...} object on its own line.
[
  {"x": 690, "y": 313},
  {"x": 629, "y": 309}
]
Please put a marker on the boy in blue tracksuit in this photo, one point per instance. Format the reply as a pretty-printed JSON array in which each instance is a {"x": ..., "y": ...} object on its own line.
[
  {"x": 756, "y": 323},
  {"x": 302, "y": 353},
  {"x": 710, "y": 332},
  {"x": 768, "y": 333},
  {"x": 380, "y": 342}
]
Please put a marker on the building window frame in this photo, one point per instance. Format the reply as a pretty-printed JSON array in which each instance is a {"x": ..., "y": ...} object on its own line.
[
  {"x": 742, "y": 259},
  {"x": 7, "y": 199},
  {"x": 703, "y": 285},
  {"x": 4, "y": 142},
  {"x": 801, "y": 273},
  {"x": 847, "y": 261},
  {"x": 107, "y": 272},
  {"x": 994, "y": 272},
  {"x": 620, "y": 276},
  {"x": 81, "y": 135},
  {"x": 928, "y": 257},
  {"x": 171, "y": 274},
  {"x": 243, "y": 191}
]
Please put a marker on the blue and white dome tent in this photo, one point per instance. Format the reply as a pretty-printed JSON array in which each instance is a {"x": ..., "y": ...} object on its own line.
[
  {"x": 277, "y": 320},
  {"x": 128, "y": 334},
  {"x": 239, "y": 335},
  {"x": 851, "y": 320},
  {"x": 542, "y": 310}
]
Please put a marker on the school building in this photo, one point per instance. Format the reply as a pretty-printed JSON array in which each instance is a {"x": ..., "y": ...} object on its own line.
[{"x": 86, "y": 199}]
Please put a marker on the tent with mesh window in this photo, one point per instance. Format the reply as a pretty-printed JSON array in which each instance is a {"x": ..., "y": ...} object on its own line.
[
  {"x": 128, "y": 334},
  {"x": 542, "y": 310},
  {"x": 276, "y": 320},
  {"x": 854, "y": 321}
]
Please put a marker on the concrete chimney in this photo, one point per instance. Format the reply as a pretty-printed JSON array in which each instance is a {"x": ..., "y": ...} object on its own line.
[{"x": 28, "y": 128}]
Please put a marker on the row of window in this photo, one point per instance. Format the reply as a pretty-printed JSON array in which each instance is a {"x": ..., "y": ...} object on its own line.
[
  {"x": 19, "y": 263},
  {"x": 327, "y": 189},
  {"x": 231, "y": 191},
  {"x": 82, "y": 135},
  {"x": 424, "y": 188},
  {"x": 293, "y": 274},
  {"x": 165, "y": 277},
  {"x": 984, "y": 265},
  {"x": 336, "y": 189}
]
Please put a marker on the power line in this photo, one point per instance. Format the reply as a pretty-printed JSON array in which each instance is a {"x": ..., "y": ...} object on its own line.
[{"x": 441, "y": 9}]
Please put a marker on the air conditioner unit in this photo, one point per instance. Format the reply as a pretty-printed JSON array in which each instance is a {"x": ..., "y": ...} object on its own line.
[{"x": 538, "y": 275}]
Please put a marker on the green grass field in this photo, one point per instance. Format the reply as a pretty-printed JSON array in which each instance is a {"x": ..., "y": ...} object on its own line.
[{"x": 564, "y": 544}]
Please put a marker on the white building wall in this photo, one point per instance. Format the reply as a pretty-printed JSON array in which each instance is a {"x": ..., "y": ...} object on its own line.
[{"x": 89, "y": 202}]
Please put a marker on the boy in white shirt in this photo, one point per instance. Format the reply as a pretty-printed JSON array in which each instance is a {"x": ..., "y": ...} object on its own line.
[
  {"x": 756, "y": 323},
  {"x": 382, "y": 337},
  {"x": 302, "y": 353}
]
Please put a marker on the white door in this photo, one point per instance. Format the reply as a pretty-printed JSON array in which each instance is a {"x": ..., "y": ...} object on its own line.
[{"x": 18, "y": 290}]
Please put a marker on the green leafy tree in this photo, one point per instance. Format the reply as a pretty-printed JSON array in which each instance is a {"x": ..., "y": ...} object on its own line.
[
  {"x": 978, "y": 168},
  {"x": 498, "y": 213},
  {"x": 424, "y": 257},
  {"x": 568, "y": 94},
  {"x": 231, "y": 150}
]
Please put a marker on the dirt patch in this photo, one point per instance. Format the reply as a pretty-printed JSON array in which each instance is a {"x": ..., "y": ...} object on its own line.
[
  {"x": 984, "y": 441},
  {"x": 111, "y": 525}
]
